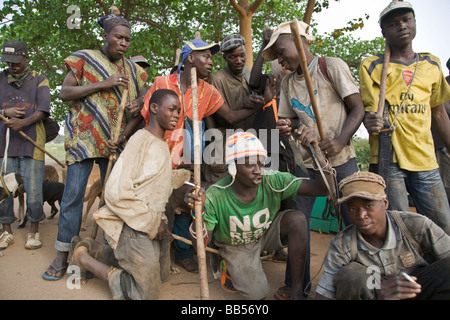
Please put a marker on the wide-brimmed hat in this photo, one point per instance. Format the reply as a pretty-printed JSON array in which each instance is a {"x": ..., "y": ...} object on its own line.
[
  {"x": 366, "y": 185},
  {"x": 14, "y": 51},
  {"x": 285, "y": 28},
  {"x": 393, "y": 6}
]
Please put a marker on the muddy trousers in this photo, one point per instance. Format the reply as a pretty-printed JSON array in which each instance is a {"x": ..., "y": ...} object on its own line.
[
  {"x": 354, "y": 282},
  {"x": 144, "y": 265}
]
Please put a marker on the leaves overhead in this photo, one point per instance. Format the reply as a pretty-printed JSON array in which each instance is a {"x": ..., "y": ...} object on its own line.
[{"x": 159, "y": 29}]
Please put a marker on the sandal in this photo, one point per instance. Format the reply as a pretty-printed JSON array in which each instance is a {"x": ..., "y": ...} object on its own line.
[
  {"x": 283, "y": 293},
  {"x": 225, "y": 279},
  {"x": 84, "y": 274},
  {"x": 188, "y": 264},
  {"x": 49, "y": 277}
]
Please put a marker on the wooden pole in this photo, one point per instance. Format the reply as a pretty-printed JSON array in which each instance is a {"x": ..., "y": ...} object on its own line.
[
  {"x": 34, "y": 143},
  {"x": 201, "y": 253},
  {"x": 304, "y": 66},
  {"x": 381, "y": 102}
]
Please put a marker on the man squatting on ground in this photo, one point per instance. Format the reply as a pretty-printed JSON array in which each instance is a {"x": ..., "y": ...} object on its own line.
[
  {"x": 243, "y": 212},
  {"x": 366, "y": 261}
]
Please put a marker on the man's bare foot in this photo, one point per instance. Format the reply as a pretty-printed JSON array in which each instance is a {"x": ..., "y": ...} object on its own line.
[{"x": 58, "y": 267}]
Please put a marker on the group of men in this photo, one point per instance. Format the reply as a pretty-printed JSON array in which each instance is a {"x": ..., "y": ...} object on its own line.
[{"x": 248, "y": 208}]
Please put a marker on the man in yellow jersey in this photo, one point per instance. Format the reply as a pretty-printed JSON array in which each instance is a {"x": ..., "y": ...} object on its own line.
[{"x": 415, "y": 92}]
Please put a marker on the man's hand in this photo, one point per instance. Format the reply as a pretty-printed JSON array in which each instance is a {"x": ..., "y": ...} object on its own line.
[
  {"x": 116, "y": 79},
  {"x": 373, "y": 122},
  {"x": 284, "y": 126},
  {"x": 306, "y": 136},
  {"x": 398, "y": 288},
  {"x": 112, "y": 146},
  {"x": 191, "y": 196},
  {"x": 331, "y": 147},
  {"x": 134, "y": 107},
  {"x": 16, "y": 124},
  {"x": 253, "y": 101},
  {"x": 15, "y": 112},
  {"x": 163, "y": 231}
]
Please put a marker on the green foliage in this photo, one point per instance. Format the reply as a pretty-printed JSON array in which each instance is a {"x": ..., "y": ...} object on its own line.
[
  {"x": 159, "y": 29},
  {"x": 362, "y": 150}
]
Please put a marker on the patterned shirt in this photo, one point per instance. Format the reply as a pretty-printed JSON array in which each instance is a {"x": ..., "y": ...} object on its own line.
[
  {"x": 34, "y": 94},
  {"x": 397, "y": 254},
  {"x": 209, "y": 101},
  {"x": 92, "y": 118}
]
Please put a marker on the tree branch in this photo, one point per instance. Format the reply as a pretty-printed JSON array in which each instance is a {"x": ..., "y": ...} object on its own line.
[
  {"x": 241, "y": 11},
  {"x": 254, "y": 6}
]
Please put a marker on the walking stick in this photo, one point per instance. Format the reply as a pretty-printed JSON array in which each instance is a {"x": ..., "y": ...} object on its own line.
[
  {"x": 381, "y": 102},
  {"x": 114, "y": 137},
  {"x": 304, "y": 66},
  {"x": 201, "y": 253},
  {"x": 35, "y": 144},
  {"x": 315, "y": 150}
]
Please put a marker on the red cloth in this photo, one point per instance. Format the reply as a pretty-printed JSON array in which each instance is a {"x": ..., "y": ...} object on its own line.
[{"x": 209, "y": 101}]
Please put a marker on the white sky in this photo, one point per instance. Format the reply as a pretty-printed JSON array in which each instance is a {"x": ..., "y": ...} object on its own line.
[{"x": 431, "y": 19}]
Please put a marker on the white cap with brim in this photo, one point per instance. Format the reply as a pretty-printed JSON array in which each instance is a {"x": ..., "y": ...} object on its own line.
[
  {"x": 393, "y": 6},
  {"x": 285, "y": 28}
]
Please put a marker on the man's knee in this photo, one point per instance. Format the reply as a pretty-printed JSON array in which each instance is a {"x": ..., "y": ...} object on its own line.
[{"x": 351, "y": 283}]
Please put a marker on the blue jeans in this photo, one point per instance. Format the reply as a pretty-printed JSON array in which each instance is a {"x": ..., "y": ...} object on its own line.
[
  {"x": 426, "y": 189},
  {"x": 72, "y": 202},
  {"x": 32, "y": 172}
]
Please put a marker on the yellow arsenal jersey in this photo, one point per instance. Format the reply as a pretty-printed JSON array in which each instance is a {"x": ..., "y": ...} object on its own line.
[{"x": 412, "y": 141}]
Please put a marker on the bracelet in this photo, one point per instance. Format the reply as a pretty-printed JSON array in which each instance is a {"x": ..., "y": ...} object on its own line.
[
  {"x": 194, "y": 234},
  {"x": 193, "y": 213},
  {"x": 327, "y": 165}
]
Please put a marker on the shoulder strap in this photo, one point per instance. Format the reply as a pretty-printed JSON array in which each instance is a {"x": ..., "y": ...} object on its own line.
[
  {"x": 323, "y": 68},
  {"x": 353, "y": 245},
  {"x": 404, "y": 229}
]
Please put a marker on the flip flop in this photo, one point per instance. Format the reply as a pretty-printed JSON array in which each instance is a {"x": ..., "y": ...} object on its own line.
[
  {"x": 283, "y": 293},
  {"x": 226, "y": 277},
  {"x": 49, "y": 277}
]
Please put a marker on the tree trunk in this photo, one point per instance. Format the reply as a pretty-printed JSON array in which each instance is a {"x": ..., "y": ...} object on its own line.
[{"x": 245, "y": 11}]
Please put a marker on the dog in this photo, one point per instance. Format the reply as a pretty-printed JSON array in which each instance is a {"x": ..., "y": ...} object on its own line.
[
  {"x": 50, "y": 174},
  {"x": 52, "y": 191},
  {"x": 95, "y": 191},
  {"x": 12, "y": 182}
]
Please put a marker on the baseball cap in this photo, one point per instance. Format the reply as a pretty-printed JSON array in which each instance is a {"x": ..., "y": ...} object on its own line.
[
  {"x": 196, "y": 45},
  {"x": 285, "y": 27},
  {"x": 393, "y": 6},
  {"x": 366, "y": 185},
  {"x": 140, "y": 59},
  {"x": 14, "y": 51}
]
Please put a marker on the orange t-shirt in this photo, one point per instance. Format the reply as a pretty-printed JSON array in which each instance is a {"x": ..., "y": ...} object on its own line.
[{"x": 209, "y": 101}]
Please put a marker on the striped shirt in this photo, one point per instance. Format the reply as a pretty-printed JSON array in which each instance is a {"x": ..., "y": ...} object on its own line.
[
  {"x": 209, "y": 101},
  {"x": 397, "y": 254},
  {"x": 91, "y": 119}
]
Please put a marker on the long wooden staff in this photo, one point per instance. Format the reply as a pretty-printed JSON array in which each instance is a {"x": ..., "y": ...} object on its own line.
[
  {"x": 381, "y": 102},
  {"x": 304, "y": 66},
  {"x": 34, "y": 143},
  {"x": 114, "y": 137},
  {"x": 201, "y": 253}
]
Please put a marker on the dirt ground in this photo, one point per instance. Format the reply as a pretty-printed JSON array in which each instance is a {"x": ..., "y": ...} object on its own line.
[{"x": 21, "y": 270}]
